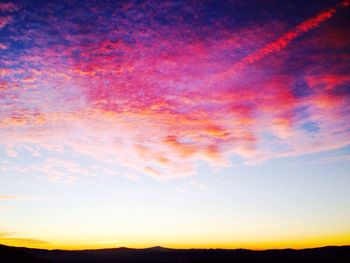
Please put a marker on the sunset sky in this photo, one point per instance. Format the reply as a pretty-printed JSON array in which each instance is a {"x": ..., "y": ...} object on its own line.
[{"x": 175, "y": 123}]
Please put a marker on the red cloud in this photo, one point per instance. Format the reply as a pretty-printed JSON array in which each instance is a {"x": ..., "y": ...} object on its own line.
[
  {"x": 4, "y": 21},
  {"x": 8, "y": 7}
]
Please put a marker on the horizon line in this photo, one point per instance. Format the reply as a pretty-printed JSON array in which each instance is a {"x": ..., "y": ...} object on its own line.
[{"x": 172, "y": 248}]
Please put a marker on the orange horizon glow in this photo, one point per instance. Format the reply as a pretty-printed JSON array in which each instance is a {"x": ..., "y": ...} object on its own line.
[{"x": 340, "y": 239}]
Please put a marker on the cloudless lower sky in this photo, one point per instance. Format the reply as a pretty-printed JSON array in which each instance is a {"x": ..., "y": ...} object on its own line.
[{"x": 174, "y": 123}]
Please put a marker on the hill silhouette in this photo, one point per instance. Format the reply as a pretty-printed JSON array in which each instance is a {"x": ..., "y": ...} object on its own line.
[{"x": 166, "y": 255}]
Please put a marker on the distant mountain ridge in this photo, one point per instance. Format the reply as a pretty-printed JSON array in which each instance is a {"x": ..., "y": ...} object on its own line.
[{"x": 160, "y": 254}]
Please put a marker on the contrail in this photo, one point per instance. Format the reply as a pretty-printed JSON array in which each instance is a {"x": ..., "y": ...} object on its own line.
[{"x": 281, "y": 42}]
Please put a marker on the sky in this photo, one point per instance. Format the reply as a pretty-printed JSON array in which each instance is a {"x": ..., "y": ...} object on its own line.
[{"x": 174, "y": 123}]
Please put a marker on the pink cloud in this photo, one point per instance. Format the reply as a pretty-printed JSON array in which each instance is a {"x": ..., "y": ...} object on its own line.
[
  {"x": 11, "y": 152},
  {"x": 8, "y": 7},
  {"x": 4, "y": 20},
  {"x": 161, "y": 103}
]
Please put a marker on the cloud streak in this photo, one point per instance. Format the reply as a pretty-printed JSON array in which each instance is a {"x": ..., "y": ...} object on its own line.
[
  {"x": 285, "y": 39},
  {"x": 8, "y": 239},
  {"x": 18, "y": 197}
]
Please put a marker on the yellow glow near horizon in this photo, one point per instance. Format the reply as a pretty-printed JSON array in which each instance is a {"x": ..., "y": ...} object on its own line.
[{"x": 340, "y": 239}]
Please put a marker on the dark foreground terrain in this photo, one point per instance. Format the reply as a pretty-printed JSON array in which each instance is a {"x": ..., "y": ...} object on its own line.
[{"x": 159, "y": 254}]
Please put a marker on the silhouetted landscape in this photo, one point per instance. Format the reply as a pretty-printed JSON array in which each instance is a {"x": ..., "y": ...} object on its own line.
[{"x": 160, "y": 254}]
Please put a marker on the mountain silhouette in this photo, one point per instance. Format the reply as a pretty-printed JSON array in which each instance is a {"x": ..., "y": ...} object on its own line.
[{"x": 160, "y": 254}]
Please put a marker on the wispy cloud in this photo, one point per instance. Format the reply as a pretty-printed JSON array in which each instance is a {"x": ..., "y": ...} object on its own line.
[
  {"x": 19, "y": 197},
  {"x": 9, "y": 239},
  {"x": 332, "y": 159},
  {"x": 198, "y": 185},
  {"x": 4, "y": 20},
  {"x": 6, "y": 209},
  {"x": 8, "y": 7}
]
